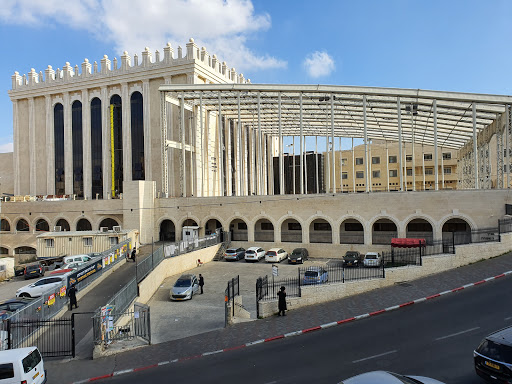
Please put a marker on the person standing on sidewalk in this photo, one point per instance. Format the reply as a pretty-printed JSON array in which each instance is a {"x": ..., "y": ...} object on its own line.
[
  {"x": 282, "y": 301},
  {"x": 201, "y": 282},
  {"x": 72, "y": 297},
  {"x": 134, "y": 253}
]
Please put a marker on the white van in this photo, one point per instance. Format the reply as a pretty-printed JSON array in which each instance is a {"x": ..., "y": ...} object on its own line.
[
  {"x": 22, "y": 365},
  {"x": 76, "y": 259}
]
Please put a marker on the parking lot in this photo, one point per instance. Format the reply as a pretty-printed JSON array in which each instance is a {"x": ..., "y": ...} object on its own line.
[{"x": 172, "y": 320}]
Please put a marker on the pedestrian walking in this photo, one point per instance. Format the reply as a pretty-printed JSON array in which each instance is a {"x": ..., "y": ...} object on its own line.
[
  {"x": 201, "y": 282},
  {"x": 72, "y": 297},
  {"x": 134, "y": 251},
  {"x": 282, "y": 301}
]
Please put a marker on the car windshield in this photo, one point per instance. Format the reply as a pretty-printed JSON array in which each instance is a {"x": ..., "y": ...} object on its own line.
[
  {"x": 311, "y": 273},
  {"x": 296, "y": 253},
  {"x": 350, "y": 256},
  {"x": 371, "y": 257},
  {"x": 183, "y": 283},
  {"x": 231, "y": 251},
  {"x": 250, "y": 251},
  {"x": 495, "y": 351},
  {"x": 271, "y": 253}
]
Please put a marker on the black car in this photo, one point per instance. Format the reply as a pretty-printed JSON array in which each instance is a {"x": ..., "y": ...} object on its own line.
[
  {"x": 352, "y": 259},
  {"x": 298, "y": 256},
  {"x": 34, "y": 270},
  {"x": 19, "y": 270},
  {"x": 493, "y": 357}
]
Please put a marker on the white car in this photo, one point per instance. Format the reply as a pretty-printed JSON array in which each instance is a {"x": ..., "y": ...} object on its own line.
[
  {"x": 275, "y": 255},
  {"x": 76, "y": 259},
  {"x": 254, "y": 254},
  {"x": 372, "y": 259},
  {"x": 42, "y": 285},
  {"x": 73, "y": 266}
]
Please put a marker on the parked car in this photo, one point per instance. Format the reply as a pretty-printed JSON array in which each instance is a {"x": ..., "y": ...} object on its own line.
[
  {"x": 254, "y": 254},
  {"x": 19, "y": 270},
  {"x": 352, "y": 259},
  {"x": 493, "y": 357},
  {"x": 41, "y": 286},
  {"x": 372, "y": 259},
  {"x": 234, "y": 254},
  {"x": 184, "y": 288},
  {"x": 73, "y": 266},
  {"x": 34, "y": 270},
  {"x": 76, "y": 258},
  {"x": 275, "y": 255},
  {"x": 22, "y": 365},
  {"x": 10, "y": 306},
  {"x": 382, "y": 377},
  {"x": 315, "y": 275},
  {"x": 298, "y": 255}
]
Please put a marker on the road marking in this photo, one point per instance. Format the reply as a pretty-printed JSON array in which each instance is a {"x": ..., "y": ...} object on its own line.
[
  {"x": 458, "y": 333},
  {"x": 375, "y": 356},
  {"x": 507, "y": 318}
]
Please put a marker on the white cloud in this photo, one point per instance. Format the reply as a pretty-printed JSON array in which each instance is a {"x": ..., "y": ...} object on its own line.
[
  {"x": 7, "y": 147},
  {"x": 222, "y": 26},
  {"x": 319, "y": 64}
]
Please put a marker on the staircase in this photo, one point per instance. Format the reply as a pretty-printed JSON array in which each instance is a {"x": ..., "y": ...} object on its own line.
[{"x": 220, "y": 253}]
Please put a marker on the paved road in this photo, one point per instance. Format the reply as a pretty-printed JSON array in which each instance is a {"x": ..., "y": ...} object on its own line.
[{"x": 434, "y": 339}]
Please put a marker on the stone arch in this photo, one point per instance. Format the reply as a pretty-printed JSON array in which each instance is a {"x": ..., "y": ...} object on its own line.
[
  {"x": 238, "y": 229},
  {"x": 291, "y": 229},
  {"x": 457, "y": 230},
  {"x": 5, "y": 225},
  {"x": 320, "y": 230},
  {"x": 211, "y": 224},
  {"x": 63, "y": 224},
  {"x": 22, "y": 225},
  {"x": 384, "y": 228},
  {"x": 25, "y": 252},
  {"x": 83, "y": 224},
  {"x": 42, "y": 225},
  {"x": 189, "y": 220},
  {"x": 108, "y": 222},
  {"x": 420, "y": 227},
  {"x": 4, "y": 250},
  {"x": 167, "y": 230},
  {"x": 352, "y": 230},
  {"x": 264, "y": 229}
]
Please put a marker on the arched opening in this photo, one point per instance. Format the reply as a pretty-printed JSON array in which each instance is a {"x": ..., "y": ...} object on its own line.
[
  {"x": 5, "y": 226},
  {"x": 211, "y": 226},
  {"x": 457, "y": 230},
  {"x": 109, "y": 223},
  {"x": 42, "y": 226},
  {"x": 22, "y": 226},
  {"x": 167, "y": 231},
  {"x": 117, "y": 144},
  {"x": 291, "y": 231},
  {"x": 58, "y": 140},
  {"x": 351, "y": 232},
  {"x": 264, "y": 231},
  {"x": 420, "y": 229},
  {"x": 64, "y": 225},
  {"x": 320, "y": 231},
  {"x": 96, "y": 149},
  {"x": 4, "y": 251},
  {"x": 78, "y": 158},
  {"x": 25, "y": 254},
  {"x": 83, "y": 225},
  {"x": 137, "y": 127},
  {"x": 383, "y": 231},
  {"x": 238, "y": 229}
]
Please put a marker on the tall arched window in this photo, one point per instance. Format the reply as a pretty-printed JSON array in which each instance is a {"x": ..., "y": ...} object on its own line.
[
  {"x": 58, "y": 135},
  {"x": 96, "y": 149},
  {"x": 117, "y": 141},
  {"x": 78, "y": 159},
  {"x": 137, "y": 125}
]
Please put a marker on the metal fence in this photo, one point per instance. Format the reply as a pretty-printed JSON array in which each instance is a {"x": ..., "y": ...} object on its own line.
[
  {"x": 144, "y": 267},
  {"x": 124, "y": 297},
  {"x": 340, "y": 274},
  {"x": 399, "y": 257},
  {"x": 184, "y": 246},
  {"x": 232, "y": 290},
  {"x": 272, "y": 286}
]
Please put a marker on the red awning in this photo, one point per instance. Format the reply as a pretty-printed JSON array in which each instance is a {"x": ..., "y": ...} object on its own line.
[{"x": 408, "y": 243}]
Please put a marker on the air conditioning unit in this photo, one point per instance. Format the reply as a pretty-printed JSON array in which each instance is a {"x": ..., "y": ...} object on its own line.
[
  {"x": 57, "y": 229},
  {"x": 116, "y": 228},
  {"x": 104, "y": 229}
]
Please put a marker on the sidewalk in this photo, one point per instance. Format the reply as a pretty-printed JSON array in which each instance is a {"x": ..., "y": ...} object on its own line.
[{"x": 74, "y": 370}]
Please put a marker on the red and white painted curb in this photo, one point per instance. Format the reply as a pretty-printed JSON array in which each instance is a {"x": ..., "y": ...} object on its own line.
[{"x": 296, "y": 333}]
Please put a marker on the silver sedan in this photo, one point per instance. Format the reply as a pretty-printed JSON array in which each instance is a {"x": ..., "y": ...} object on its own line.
[{"x": 382, "y": 377}]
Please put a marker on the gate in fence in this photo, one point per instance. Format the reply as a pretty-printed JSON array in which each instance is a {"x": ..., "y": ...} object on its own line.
[
  {"x": 261, "y": 292},
  {"x": 232, "y": 290},
  {"x": 53, "y": 338},
  {"x": 141, "y": 321}
]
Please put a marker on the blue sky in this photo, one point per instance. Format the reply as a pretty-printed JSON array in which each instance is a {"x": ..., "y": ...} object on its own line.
[{"x": 456, "y": 45}]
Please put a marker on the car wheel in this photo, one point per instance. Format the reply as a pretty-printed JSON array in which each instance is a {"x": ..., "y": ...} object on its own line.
[
  {"x": 191, "y": 295},
  {"x": 24, "y": 294}
]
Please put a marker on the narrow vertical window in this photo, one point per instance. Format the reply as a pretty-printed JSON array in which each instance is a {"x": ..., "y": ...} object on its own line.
[
  {"x": 78, "y": 159},
  {"x": 117, "y": 143},
  {"x": 137, "y": 128},
  {"x": 96, "y": 149},
  {"x": 58, "y": 134}
]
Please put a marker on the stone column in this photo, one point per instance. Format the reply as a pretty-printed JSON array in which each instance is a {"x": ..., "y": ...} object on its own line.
[
  {"x": 32, "y": 145},
  {"x": 86, "y": 140},
  {"x": 146, "y": 103},
  {"x": 50, "y": 147},
  {"x": 68, "y": 146},
  {"x": 127, "y": 134},
  {"x": 105, "y": 128}
]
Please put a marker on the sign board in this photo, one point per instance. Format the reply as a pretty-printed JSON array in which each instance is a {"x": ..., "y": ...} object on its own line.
[{"x": 275, "y": 271}]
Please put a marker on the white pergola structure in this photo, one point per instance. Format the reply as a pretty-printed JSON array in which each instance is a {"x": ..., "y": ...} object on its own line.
[{"x": 460, "y": 121}]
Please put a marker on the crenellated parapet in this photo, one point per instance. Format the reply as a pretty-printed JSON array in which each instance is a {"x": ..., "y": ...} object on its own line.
[{"x": 108, "y": 68}]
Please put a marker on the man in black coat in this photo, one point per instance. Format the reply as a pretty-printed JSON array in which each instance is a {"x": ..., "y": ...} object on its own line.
[
  {"x": 201, "y": 282},
  {"x": 72, "y": 297},
  {"x": 282, "y": 301}
]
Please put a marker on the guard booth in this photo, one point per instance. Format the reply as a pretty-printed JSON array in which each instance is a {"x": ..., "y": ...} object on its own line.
[{"x": 190, "y": 233}]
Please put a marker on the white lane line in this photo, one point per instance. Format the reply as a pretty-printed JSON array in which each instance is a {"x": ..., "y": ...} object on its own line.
[
  {"x": 458, "y": 333},
  {"x": 375, "y": 356},
  {"x": 507, "y": 318}
]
